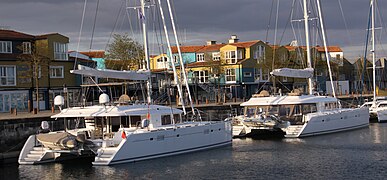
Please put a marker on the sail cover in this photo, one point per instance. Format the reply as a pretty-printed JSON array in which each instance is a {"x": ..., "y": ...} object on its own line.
[
  {"x": 108, "y": 73},
  {"x": 295, "y": 73}
]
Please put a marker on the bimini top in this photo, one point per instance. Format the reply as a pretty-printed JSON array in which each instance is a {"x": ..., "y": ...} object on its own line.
[
  {"x": 126, "y": 110},
  {"x": 288, "y": 100},
  {"x": 296, "y": 73},
  {"x": 109, "y": 73}
]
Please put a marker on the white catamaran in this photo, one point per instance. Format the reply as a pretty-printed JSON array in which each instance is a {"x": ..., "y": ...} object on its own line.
[
  {"x": 378, "y": 106},
  {"x": 300, "y": 115},
  {"x": 120, "y": 133}
]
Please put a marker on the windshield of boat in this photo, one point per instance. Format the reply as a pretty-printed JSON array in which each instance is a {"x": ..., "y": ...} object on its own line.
[{"x": 290, "y": 112}]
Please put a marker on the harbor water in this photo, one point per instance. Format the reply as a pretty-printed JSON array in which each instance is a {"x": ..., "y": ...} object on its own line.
[{"x": 358, "y": 154}]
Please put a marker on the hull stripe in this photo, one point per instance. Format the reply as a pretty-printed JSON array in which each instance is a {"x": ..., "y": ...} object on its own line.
[
  {"x": 171, "y": 152},
  {"x": 333, "y": 130}
]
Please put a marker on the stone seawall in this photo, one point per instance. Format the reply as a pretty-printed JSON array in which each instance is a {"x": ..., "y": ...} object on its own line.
[{"x": 14, "y": 132}]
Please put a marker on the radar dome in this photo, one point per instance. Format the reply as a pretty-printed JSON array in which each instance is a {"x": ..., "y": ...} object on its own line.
[
  {"x": 103, "y": 98},
  {"x": 59, "y": 100}
]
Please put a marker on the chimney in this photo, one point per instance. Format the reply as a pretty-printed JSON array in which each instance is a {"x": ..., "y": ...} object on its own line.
[
  {"x": 234, "y": 39},
  {"x": 211, "y": 42}
]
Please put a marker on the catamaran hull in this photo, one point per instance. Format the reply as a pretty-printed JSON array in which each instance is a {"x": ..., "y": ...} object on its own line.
[
  {"x": 331, "y": 122},
  {"x": 163, "y": 143},
  {"x": 382, "y": 115}
]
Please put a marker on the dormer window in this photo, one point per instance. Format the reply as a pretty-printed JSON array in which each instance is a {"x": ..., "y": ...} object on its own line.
[
  {"x": 200, "y": 57},
  {"x": 60, "y": 51},
  {"x": 216, "y": 56},
  {"x": 26, "y": 47},
  {"x": 240, "y": 54},
  {"x": 5, "y": 46},
  {"x": 259, "y": 53},
  {"x": 230, "y": 57}
]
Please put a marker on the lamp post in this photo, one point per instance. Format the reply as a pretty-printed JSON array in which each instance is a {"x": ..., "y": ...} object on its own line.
[
  {"x": 65, "y": 91},
  {"x": 196, "y": 86}
]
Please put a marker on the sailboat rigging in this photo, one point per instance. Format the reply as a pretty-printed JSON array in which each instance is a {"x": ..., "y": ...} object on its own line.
[
  {"x": 299, "y": 115},
  {"x": 378, "y": 107},
  {"x": 121, "y": 133}
]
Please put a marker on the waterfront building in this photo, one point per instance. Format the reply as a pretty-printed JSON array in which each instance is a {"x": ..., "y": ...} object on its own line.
[{"x": 20, "y": 81}]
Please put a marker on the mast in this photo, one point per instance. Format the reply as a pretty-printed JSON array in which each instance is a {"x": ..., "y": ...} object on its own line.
[
  {"x": 146, "y": 50},
  {"x": 327, "y": 56},
  {"x": 373, "y": 50},
  {"x": 171, "y": 58},
  {"x": 180, "y": 57},
  {"x": 308, "y": 56}
]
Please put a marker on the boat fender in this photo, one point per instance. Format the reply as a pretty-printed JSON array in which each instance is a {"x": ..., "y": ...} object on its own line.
[
  {"x": 69, "y": 143},
  {"x": 44, "y": 127},
  {"x": 144, "y": 123}
]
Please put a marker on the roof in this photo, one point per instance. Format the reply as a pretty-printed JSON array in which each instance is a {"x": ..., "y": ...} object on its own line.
[
  {"x": 45, "y": 36},
  {"x": 11, "y": 34},
  {"x": 245, "y": 44},
  {"x": 292, "y": 48},
  {"x": 211, "y": 48},
  {"x": 186, "y": 49},
  {"x": 94, "y": 54},
  {"x": 330, "y": 49}
]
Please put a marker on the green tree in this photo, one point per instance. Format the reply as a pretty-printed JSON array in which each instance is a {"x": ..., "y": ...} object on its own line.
[{"x": 124, "y": 54}]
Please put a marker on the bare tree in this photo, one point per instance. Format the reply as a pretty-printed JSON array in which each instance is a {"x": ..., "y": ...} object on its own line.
[{"x": 36, "y": 58}]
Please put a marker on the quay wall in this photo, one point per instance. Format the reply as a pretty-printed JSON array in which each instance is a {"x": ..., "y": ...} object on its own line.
[{"x": 14, "y": 132}]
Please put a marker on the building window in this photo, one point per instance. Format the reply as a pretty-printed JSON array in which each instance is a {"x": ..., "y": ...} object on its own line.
[
  {"x": 284, "y": 79},
  {"x": 257, "y": 74},
  {"x": 39, "y": 71},
  {"x": 240, "y": 54},
  {"x": 230, "y": 75},
  {"x": 5, "y": 46},
  {"x": 175, "y": 58},
  {"x": 56, "y": 72},
  {"x": 162, "y": 62},
  {"x": 60, "y": 51},
  {"x": 230, "y": 57},
  {"x": 247, "y": 74},
  {"x": 216, "y": 56},
  {"x": 26, "y": 47},
  {"x": 265, "y": 76},
  {"x": 259, "y": 53},
  {"x": 200, "y": 57},
  {"x": 202, "y": 76},
  {"x": 7, "y": 76}
]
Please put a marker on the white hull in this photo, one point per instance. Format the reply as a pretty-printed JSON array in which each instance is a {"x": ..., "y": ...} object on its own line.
[
  {"x": 330, "y": 122},
  {"x": 381, "y": 113},
  {"x": 143, "y": 144},
  {"x": 192, "y": 137}
]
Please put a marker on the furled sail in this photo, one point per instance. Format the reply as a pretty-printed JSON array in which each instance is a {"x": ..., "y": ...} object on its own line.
[
  {"x": 108, "y": 73},
  {"x": 295, "y": 73}
]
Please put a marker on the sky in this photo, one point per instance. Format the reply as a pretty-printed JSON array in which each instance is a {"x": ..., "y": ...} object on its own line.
[{"x": 197, "y": 21}]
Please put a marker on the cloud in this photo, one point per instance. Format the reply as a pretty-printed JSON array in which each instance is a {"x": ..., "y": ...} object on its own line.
[{"x": 197, "y": 21}]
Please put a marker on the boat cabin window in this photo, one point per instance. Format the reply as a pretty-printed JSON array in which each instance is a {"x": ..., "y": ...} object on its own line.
[
  {"x": 309, "y": 108},
  {"x": 382, "y": 105},
  {"x": 125, "y": 122},
  {"x": 134, "y": 121},
  {"x": 74, "y": 123},
  {"x": 250, "y": 111},
  {"x": 166, "y": 119},
  {"x": 115, "y": 123},
  {"x": 330, "y": 105}
]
